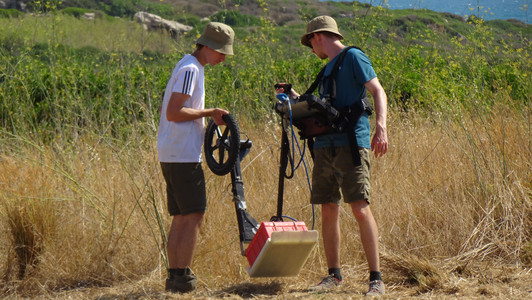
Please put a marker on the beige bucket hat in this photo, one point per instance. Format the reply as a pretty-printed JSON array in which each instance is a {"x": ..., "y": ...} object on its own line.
[
  {"x": 218, "y": 37},
  {"x": 320, "y": 24}
]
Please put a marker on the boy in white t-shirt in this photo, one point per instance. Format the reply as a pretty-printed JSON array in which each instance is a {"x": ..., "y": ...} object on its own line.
[{"x": 179, "y": 145}]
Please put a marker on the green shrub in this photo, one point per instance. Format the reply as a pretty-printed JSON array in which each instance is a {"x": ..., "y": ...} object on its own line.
[
  {"x": 161, "y": 9},
  {"x": 75, "y": 11},
  {"x": 187, "y": 19},
  {"x": 235, "y": 18},
  {"x": 9, "y": 13}
]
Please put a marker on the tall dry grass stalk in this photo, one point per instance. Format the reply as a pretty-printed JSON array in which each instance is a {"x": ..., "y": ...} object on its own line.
[{"x": 449, "y": 196}]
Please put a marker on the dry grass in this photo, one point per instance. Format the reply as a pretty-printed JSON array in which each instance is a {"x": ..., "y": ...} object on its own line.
[{"x": 452, "y": 200}]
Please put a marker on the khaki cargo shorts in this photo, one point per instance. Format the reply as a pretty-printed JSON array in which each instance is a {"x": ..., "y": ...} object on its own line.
[{"x": 334, "y": 171}]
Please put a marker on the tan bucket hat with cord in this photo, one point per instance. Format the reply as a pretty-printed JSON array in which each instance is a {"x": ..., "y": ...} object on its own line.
[
  {"x": 219, "y": 37},
  {"x": 320, "y": 24}
]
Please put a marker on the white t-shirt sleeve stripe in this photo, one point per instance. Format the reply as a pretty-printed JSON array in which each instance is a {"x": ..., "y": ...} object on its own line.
[
  {"x": 186, "y": 86},
  {"x": 187, "y": 83}
]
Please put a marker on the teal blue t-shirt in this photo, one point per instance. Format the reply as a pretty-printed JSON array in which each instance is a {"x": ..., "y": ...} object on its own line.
[{"x": 354, "y": 72}]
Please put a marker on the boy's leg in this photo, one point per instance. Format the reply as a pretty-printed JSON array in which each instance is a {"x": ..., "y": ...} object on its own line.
[{"x": 182, "y": 239}]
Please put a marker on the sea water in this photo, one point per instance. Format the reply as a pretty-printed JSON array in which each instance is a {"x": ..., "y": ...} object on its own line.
[{"x": 486, "y": 9}]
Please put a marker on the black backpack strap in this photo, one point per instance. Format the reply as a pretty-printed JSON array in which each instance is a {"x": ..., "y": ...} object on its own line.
[
  {"x": 353, "y": 144},
  {"x": 310, "y": 144},
  {"x": 334, "y": 73},
  {"x": 316, "y": 82},
  {"x": 336, "y": 66},
  {"x": 353, "y": 114}
]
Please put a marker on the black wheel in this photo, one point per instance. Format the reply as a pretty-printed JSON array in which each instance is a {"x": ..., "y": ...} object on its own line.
[{"x": 222, "y": 145}]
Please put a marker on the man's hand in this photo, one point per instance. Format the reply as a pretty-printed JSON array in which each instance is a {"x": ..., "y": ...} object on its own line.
[
  {"x": 379, "y": 143},
  {"x": 217, "y": 116},
  {"x": 287, "y": 89}
]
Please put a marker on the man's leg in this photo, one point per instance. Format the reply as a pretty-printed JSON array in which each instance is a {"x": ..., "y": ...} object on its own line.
[
  {"x": 369, "y": 233},
  {"x": 331, "y": 234},
  {"x": 182, "y": 239},
  {"x": 331, "y": 243}
]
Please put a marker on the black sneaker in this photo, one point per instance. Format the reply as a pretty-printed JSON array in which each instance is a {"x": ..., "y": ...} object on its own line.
[
  {"x": 327, "y": 283},
  {"x": 181, "y": 284}
]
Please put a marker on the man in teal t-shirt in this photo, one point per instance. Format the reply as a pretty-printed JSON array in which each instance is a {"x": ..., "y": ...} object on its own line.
[
  {"x": 334, "y": 168},
  {"x": 353, "y": 73}
]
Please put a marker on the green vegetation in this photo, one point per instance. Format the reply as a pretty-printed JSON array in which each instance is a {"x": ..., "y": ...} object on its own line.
[
  {"x": 235, "y": 19},
  {"x": 60, "y": 72},
  {"x": 10, "y": 13}
]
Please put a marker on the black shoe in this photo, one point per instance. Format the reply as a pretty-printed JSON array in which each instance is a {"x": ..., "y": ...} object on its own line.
[{"x": 181, "y": 284}]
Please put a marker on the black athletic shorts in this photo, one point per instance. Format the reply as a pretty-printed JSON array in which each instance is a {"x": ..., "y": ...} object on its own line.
[{"x": 185, "y": 188}]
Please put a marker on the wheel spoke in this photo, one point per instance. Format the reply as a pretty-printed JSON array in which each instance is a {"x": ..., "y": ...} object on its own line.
[
  {"x": 213, "y": 149},
  {"x": 221, "y": 155},
  {"x": 226, "y": 133}
]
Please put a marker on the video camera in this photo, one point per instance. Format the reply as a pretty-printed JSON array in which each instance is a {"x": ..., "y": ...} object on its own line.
[
  {"x": 286, "y": 86},
  {"x": 311, "y": 115}
]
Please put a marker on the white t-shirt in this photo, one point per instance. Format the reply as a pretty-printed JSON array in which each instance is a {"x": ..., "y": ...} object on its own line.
[{"x": 183, "y": 141}]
